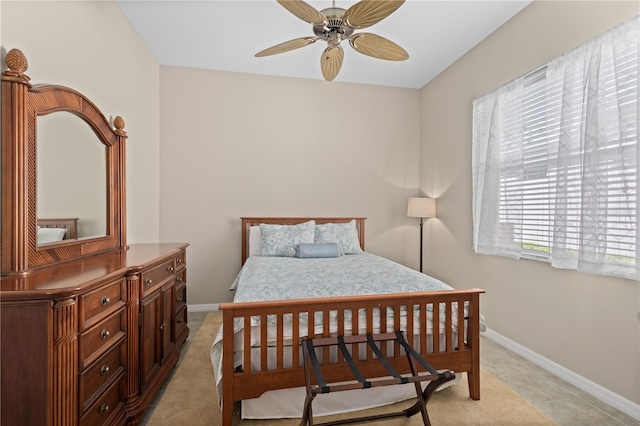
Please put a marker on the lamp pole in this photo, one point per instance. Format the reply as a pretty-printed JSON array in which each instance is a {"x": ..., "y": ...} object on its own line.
[{"x": 421, "y": 223}]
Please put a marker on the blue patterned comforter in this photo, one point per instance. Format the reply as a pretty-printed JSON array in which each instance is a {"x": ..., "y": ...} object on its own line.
[
  {"x": 284, "y": 278},
  {"x": 278, "y": 278}
]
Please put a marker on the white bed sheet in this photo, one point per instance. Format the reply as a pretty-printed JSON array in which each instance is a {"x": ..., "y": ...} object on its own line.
[{"x": 288, "y": 403}]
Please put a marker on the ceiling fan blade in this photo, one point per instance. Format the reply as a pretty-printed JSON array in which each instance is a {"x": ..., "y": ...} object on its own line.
[
  {"x": 378, "y": 47},
  {"x": 304, "y": 11},
  {"x": 331, "y": 61},
  {"x": 368, "y": 12},
  {"x": 287, "y": 46}
]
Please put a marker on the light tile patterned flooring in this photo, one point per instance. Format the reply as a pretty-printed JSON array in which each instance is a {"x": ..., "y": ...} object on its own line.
[{"x": 563, "y": 402}]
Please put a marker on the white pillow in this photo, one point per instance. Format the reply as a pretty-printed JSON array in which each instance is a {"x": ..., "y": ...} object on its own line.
[
  {"x": 255, "y": 241},
  {"x": 50, "y": 235}
]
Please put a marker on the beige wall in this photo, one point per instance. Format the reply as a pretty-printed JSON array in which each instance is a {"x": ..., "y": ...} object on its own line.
[
  {"x": 91, "y": 47},
  {"x": 588, "y": 324},
  {"x": 236, "y": 145}
]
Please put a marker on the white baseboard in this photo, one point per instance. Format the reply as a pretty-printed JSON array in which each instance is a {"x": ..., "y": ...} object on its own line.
[
  {"x": 203, "y": 308},
  {"x": 603, "y": 394}
]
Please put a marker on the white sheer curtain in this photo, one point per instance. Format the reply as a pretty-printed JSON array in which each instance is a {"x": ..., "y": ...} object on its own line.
[
  {"x": 496, "y": 118},
  {"x": 555, "y": 157}
]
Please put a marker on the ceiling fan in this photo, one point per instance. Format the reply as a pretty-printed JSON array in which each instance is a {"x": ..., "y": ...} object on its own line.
[{"x": 335, "y": 24}]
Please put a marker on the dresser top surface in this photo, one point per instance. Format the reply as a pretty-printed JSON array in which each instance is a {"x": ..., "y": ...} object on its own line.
[{"x": 72, "y": 276}]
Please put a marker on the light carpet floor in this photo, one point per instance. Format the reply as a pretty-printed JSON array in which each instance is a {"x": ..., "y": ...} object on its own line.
[{"x": 190, "y": 397}]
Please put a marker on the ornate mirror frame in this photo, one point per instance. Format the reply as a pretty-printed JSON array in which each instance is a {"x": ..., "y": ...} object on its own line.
[{"x": 22, "y": 103}]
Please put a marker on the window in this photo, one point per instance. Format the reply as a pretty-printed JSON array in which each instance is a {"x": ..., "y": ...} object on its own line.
[{"x": 555, "y": 156}]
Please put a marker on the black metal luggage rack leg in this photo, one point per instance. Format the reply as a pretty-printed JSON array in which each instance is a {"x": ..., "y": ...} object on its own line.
[{"x": 311, "y": 361}]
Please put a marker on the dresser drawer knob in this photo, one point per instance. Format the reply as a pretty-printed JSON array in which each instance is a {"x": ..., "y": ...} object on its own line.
[
  {"x": 170, "y": 269},
  {"x": 162, "y": 326},
  {"x": 105, "y": 300},
  {"x": 179, "y": 260},
  {"x": 105, "y": 334},
  {"x": 148, "y": 281},
  {"x": 104, "y": 409},
  {"x": 179, "y": 299},
  {"x": 179, "y": 279},
  {"x": 180, "y": 321},
  {"x": 104, "y": 370}
]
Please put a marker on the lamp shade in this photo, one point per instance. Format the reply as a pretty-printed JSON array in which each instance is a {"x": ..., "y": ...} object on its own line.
[{"x": 421, "y": 207}]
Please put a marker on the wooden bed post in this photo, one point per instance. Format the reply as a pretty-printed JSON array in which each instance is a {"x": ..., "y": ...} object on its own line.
[
  {"x": 473, "y": 340},
  {"x": 227, "y": 367}
]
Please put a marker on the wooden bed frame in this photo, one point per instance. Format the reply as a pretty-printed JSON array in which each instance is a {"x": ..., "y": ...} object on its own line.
[
  {"x": 70, "y": 224},
  {"x": 458, "y": 354}
]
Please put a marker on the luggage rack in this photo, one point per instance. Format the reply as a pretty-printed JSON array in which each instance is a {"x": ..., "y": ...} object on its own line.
[{"x": 373, "y": 340}]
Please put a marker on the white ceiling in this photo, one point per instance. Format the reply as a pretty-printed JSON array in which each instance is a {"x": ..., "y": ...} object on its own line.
[{"x": 225, "y": 35}]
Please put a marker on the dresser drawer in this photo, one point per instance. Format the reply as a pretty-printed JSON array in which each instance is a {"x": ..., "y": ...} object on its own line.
[
  {"x": 108, "y": 405},
  {"x": 100, "y": 373},
  {"x": 99, "y": 303},
  {"x": 100, "y": 337},
  {"x": 181, "y": 296},
  {"x": 181, "y": 277},
  {"x": 182, "y": 330},
  {"x": 155, "y": 277},
  {"x": 181, "y": 260}
]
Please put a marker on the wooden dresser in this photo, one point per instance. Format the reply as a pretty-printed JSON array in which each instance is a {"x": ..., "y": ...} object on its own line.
[
  {"x": 90, "y": 327},
  {"x": 91, "y": 341}
]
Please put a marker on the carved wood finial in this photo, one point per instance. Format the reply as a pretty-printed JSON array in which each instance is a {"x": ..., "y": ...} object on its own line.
[
  {"x": 17, "y": 63},
  {"x": 118, "y": 122}
]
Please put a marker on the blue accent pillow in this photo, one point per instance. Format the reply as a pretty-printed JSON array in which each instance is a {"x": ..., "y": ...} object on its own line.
[
  {"x": 314, "y": 250},
  {"x": 280, "y": 240},
  {"x": 345, "y": 234}
]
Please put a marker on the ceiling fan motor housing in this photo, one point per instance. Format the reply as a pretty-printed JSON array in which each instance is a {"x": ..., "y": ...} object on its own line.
[{"x": 336, "y": 28}]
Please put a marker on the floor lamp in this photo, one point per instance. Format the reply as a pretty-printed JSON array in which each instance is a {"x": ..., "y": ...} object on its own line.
[{"x": 422, "y": 208}]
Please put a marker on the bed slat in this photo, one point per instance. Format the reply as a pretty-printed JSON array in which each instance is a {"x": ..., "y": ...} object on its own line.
[
  {"x": 447, "y": 324},
  {"x": 436, "y": 326}
]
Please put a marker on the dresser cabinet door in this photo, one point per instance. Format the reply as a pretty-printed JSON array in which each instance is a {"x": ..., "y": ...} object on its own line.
[
  {"x": 151, "y": 310},
  {"x": 167, "y": 325},
  {"x": 156, "y": 331}
]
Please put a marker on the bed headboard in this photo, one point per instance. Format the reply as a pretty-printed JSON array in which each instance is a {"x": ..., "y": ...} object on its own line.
[
  {"x": 70, "y": 224},
  {"x": 255, "y": 221}
]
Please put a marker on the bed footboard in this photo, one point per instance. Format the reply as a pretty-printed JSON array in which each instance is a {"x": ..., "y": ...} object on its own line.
[{"x": 445, "y": 334}]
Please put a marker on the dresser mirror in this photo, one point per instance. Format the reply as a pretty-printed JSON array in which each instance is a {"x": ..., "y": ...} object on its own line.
[
  {"x": 71, "y": 176},
  {"x": 63, "y": 167}
]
